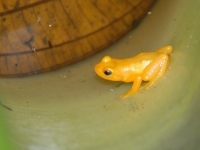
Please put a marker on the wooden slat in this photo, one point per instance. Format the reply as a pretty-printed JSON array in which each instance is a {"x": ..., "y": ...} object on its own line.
[{"x": 43, "y": 35}]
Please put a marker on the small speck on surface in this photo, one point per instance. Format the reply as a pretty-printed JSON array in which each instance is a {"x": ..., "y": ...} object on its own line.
[
  {"x": 63, "y": 76},
  {"x": 54, "y": 20},
  {"x": 149, "y": 13},
  {"x": 33, "y": 49},
  {"x": 38, "y": 19}
]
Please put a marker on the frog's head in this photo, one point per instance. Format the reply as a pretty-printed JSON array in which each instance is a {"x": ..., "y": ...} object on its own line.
[{"x": 107, "y": 69}]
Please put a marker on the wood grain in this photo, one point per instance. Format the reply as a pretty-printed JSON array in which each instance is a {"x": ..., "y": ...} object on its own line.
[{"x": 43, "y": 35}]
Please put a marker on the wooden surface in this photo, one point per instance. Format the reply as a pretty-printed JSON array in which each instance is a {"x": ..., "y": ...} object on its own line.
[{"x": 43, "y": 35}]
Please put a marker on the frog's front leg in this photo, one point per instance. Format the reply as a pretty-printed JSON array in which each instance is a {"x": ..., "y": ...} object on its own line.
[
  {"x": 155, "y": 70},
  {"x": 135, "y": 87}
]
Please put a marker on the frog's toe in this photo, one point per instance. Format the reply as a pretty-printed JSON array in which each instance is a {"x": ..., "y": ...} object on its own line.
[{"x": 124, "y": 96}]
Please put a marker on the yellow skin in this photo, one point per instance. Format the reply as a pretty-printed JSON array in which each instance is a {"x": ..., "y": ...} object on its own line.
[{"x": 148, "y": 66}]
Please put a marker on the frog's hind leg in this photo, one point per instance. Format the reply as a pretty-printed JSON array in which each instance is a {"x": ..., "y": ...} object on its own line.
[
  {"x": 135, "y": 87},
  {"x": 155, "y": 70}
]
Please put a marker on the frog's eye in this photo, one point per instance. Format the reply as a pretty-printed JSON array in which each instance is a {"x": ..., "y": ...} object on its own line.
[{"x": 107, "y": 72}]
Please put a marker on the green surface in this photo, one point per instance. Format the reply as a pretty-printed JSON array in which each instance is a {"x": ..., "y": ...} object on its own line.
[
  {"x": 5, "y": 142},
  {"x": 75, "y": 109}
]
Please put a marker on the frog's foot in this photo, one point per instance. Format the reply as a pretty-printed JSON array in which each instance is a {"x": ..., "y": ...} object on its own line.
[
  {"x": 127, "y": 94},
  {"x": 124, "y": 96}
]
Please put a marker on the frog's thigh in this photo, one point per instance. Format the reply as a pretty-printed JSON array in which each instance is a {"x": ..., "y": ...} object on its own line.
[{"x": 156, "y": 68}]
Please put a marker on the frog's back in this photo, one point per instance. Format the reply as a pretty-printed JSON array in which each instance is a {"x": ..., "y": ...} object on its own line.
[{"x": 149, "y": 56}]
